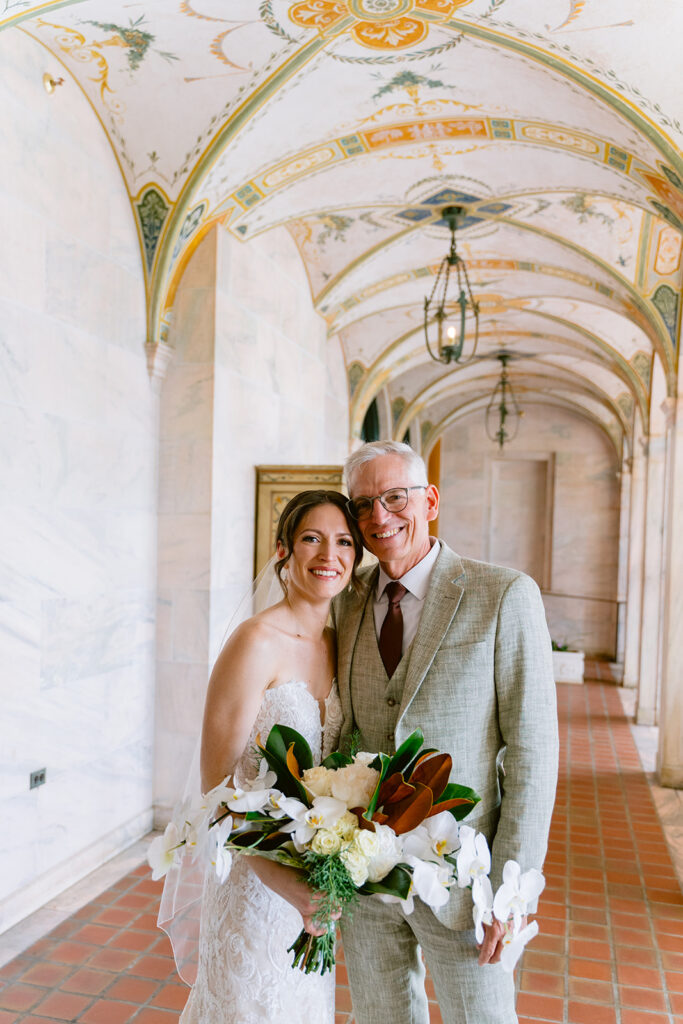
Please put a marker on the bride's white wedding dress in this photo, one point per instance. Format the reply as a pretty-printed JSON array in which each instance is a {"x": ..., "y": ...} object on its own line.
[{"x": 244, "y": 973}]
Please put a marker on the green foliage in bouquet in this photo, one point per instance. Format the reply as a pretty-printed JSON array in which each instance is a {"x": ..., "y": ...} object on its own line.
[{"x": 328, "y": 877}]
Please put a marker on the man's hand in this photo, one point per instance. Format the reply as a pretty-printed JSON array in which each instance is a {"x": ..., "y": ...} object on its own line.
[{"x": 492, "y": 946}]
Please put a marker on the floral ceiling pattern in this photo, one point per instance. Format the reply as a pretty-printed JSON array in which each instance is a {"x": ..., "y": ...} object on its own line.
[{"x": 350, "y": 124}]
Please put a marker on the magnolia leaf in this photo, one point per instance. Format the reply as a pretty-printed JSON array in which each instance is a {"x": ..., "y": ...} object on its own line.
[
  {"x": 275, "y": 840},
  {"x": 260, "y": 817},
  {"x": 382, "y": 767},
  {"x": 336, "y": 760},
  {"x": 293, "y": 764},
  {"x": 422, "y": 756},
  {"x": 411, "y": 812},
  {"x": 280, "y": 740},
  {"x": 396, "y": 883},
  {"x": 393, "y": 789},
  {"x": 434, "y": 772},
  {"x": 286, "y": 782},
  {"x": 406, "y": 752},
  {"x": 363, "y": 822},
  {"x": 459, "y": 808},
  {"x": 248, "y": 839},
  {"x": 459, "y": 800}
]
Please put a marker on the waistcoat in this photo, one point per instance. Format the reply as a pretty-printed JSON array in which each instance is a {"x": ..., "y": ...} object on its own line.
[{"x": 375, "y": 698}]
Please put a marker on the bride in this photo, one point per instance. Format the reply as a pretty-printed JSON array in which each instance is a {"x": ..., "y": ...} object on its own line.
[{"x": 278, "y": 666}]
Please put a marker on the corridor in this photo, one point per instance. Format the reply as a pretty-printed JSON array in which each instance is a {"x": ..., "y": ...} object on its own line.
[{"x": 610, "y": 949}]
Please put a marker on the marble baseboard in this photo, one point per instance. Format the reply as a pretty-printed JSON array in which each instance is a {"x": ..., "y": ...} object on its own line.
[{"x": 48, "y": 891}]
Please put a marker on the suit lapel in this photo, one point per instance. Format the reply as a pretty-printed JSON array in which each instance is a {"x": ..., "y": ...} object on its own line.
[
  {"x": 446, "y": 587},
  {"x": 349, "y": 627}
]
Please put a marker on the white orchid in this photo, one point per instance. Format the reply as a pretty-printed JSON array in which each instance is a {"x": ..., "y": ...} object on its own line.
[
  {"x": 434, "y": 838},
  {"x": 474, "y": 857},
  {"x": 221, "y": 857},
  {"x": 482, "y": 896},
  {"x": 517, "y": 892},
  {"x": 216, "y": 797},
  {"x": 430, "y": 883},
  {"x": 162, "y": 850},
  {"x": 324, "y": 813},
  {"x": 253, "y": 794},
  {"x": 513, "y": 945}
]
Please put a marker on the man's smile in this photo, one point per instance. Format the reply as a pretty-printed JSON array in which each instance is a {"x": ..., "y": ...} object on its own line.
[{"x": 382, "y": 535}]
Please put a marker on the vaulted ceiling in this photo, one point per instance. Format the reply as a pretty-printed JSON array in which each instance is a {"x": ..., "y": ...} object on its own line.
[{"x": 352, "y": 123}]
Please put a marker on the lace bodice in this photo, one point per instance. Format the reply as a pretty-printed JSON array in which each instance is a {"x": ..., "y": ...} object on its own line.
[
  {"x": 293, "y": 704},
  {"x": 244, "y": 974}
]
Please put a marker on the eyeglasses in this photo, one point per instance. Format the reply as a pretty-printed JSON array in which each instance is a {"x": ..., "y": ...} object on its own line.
[{"x": 394, "y": 500}]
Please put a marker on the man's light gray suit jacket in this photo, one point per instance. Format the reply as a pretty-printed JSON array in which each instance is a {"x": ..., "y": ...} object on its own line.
[{"x": 479, "y": 685}]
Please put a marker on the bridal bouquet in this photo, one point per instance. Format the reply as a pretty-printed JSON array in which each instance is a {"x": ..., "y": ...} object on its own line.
[{"x": 368, "y": 824}]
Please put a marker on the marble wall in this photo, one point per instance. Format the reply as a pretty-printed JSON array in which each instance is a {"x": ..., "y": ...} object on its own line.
[
  {"x": 78, "y": 426},
  {"x": 574, "y": 553},
  {"x": 253, "y": 381}
]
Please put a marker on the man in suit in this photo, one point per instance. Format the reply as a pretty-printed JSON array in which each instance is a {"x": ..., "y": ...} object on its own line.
[{"x": 470, "y": 665}]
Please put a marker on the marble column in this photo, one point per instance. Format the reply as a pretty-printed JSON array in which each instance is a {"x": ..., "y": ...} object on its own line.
[
  {"x": 634, "y": 569},
  {"x": 647, "y": 705},
  {"x": 648, "y": 689},
  {"x": 622, "y": 575},
  {"x": 670, "y": 752}
]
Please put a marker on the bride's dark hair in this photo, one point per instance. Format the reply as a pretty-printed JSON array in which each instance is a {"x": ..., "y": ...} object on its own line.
[{"x": 292, "y": 515}]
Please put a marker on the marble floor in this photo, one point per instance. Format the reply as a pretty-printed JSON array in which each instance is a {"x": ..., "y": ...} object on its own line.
[{"x": 610, "y": 949}]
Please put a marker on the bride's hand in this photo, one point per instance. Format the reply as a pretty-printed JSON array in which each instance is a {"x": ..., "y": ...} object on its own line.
[{"x": 289, "y": 883}]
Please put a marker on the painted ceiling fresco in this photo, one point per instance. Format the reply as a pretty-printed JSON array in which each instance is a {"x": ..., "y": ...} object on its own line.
[{"x": 350, "y": 124}]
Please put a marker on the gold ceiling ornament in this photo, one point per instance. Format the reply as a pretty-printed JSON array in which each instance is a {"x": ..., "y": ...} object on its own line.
[
  {"x": 378, "y": 24},
  {"x": 50, "y": 83}
]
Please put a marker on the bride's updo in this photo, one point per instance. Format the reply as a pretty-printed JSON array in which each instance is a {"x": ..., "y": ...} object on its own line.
[{"x": 292, "y": 515}]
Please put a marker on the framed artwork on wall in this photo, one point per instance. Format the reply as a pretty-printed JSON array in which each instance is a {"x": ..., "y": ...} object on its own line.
[{"x": 275, "y": 485}]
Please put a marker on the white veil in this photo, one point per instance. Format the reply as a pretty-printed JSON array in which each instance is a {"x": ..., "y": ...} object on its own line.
[{"x": 181, "y": 900}]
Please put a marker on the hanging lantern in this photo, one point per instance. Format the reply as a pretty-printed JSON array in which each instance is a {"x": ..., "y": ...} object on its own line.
[
  {"x": 450, "y": 309},
  {"x": 503, "y": 412}
]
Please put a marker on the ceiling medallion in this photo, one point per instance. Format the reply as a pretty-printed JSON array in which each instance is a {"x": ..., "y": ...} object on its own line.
[{"x": 378, "y": 24}]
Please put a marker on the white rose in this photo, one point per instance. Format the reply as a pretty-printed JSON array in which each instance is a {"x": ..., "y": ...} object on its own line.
[
  {"x": 354, "y": 784},
  {"x": 367, "y": 842},
  {"x": 388, "y": 854},
  {"x": 346, "y": 826},
  {"x": 326, "y": 842},
  {"x": 318, "y": 780},
  {"x": 364, "y": 757},
  {"x": 355, "y": 863}
]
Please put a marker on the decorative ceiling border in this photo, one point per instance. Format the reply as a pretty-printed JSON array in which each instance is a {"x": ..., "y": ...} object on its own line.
[{"x": 50, "y": 5}]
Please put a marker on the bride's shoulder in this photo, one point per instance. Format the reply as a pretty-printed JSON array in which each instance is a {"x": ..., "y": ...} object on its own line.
[
  {"x": 252, "y": 646},
  {"x": 259, "y": 632}
]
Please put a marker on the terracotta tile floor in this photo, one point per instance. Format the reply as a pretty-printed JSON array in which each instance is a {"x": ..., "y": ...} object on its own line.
[{"x": 611, "y": 944}]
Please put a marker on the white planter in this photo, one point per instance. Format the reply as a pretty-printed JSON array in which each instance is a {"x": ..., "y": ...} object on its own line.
[{"x": 568, "y": 666}]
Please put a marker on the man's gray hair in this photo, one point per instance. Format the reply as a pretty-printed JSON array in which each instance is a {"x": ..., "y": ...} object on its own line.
[{"x": 374, "y": 449}]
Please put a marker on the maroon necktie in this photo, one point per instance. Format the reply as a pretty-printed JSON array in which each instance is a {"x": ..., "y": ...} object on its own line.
[{"x": 391, "y": 633}]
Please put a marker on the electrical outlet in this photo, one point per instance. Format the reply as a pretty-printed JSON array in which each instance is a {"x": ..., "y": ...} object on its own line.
[{"x": 37, "y": 778}]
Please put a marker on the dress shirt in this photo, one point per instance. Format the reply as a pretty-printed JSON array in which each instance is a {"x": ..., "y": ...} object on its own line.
[{"x": 416, "y": 582}]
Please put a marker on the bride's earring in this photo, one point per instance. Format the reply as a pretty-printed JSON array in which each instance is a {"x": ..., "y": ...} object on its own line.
[{"x": 284, "y": 575}]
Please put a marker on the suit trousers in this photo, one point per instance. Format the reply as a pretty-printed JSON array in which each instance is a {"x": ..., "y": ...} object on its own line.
[{"x": 386, "y": 975}]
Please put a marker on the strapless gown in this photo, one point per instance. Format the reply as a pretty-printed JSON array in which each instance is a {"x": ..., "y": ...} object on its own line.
[{"x": 244, "y": 972}]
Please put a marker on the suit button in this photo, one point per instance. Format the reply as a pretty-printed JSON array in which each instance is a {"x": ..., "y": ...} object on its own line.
[
  {"x": 391, "y": 736},
  {"x": 391, "y": 702}
]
